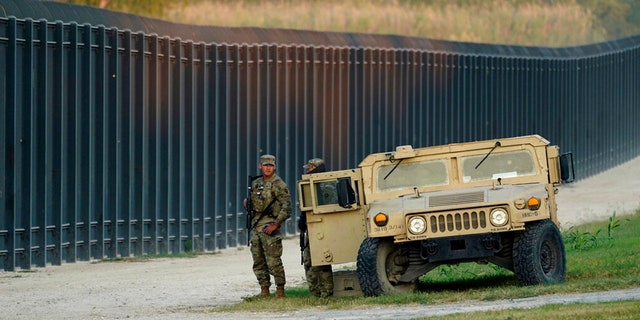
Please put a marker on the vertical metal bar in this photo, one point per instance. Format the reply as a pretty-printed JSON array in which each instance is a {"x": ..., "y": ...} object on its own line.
[
  {"x": 148, "y": 60},
  {"x": 435, "y": 87},
  {"x": 24, "y": 154},
  {"x": 163, "y": 152},
  {"x": 184, "y": 123},
  {"x": 412, "y": 92},
  {"x": 136, "y": 102},
  {"x": 51, "y": 228},
  {"x": 67, "y": 196},
  {"x": 193, "y": 132},
  {"x": 82, "y": 151},
  {"x": 53, "y": 169},
  {"x": 198, "y": 215},
  {"x": 173, "y": 163},
  {"x": 8, "y": 211},
  {"x": 79, "y": 241},
  {"x": 6, "y": 214},
  {"x": 252, "y": 85},
  {"x": 153, "y": 187},
  {"x": 342, "y": 106},
  {"x": 206, "y": 85},
  {"x": 98, "y": 85},
  {"x": 38, "y": 183},
  {"x": 403, "y": 99},
  {"x": 354, "y": 99},
  {"x": 173, "y": 168},
  {"x": 231, "y": 77},
  {"x": 186, "y": 140},
  {"x": 123, "y": 183},
  {"x": 465, "y": 87},
  {"x": 323, "y": 94},
  {"x": 89, "y": 96},
  {"x": 421, "y": 100},
  {"x": 307, "y": 60},
  {"x": 446, "y": 97},
  {"x": 109, "y": 100},
  {"x": 220, "y": 90},
  {"x": 385, "y": 104},
  {"x": 211, "y": 177},
  {"x": 32, "y": 142},
  {"x": 377, "y": 75}
]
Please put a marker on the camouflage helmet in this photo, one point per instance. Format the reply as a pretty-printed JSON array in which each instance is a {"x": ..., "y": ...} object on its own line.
[
  {"x": 268, "y": 159},
  {"x": 313, "y": 163}
]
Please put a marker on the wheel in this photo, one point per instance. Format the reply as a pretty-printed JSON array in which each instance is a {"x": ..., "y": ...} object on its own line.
[
  {"x": 538, "y": 254},
  {"x": 380, "y": 265}
]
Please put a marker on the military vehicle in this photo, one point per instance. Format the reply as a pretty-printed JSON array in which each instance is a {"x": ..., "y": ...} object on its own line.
[{"x": 401, "y": 214}]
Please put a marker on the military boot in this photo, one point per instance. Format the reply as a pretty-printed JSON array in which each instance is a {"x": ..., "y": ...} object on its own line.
[
  {"x": 264, "y": 291},
  {"x": 280, "y": 292}
]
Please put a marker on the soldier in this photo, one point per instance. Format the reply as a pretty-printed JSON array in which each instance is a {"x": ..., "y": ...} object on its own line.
[
  {"x": 271, "y": 205},
  {"x": 319, "y": 278}
]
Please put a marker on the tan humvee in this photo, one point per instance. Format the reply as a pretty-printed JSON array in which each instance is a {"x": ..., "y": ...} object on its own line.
[{"x": 401, "y": 214}]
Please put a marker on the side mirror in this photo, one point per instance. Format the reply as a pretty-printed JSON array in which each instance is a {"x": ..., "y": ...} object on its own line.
[
  {"x": 346, "y": 194},
  {"x": 567, "y": 171}
]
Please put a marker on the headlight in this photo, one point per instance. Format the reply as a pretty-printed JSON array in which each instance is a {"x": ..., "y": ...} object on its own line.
[
  {"x": 499, "y": 217},
  {"x": 417, "y": 225}
]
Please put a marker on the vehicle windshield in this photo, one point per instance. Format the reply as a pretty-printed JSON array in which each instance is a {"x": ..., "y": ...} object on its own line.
[
  {"x": 412, "y": 174},
  {"x": 407, "y": 175},
  {"x": 498, "y": 165}
]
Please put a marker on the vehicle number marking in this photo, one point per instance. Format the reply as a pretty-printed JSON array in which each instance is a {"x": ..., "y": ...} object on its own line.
[{"x": 389, "y": 228}]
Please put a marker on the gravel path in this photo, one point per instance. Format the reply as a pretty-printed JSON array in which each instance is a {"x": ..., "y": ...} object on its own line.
[{"x": 185, "y": 288}]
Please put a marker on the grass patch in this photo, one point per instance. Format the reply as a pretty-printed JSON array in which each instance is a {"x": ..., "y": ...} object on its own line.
[
  {"x": 608, "y": 310},
  {"x": 610, "y": 262}
]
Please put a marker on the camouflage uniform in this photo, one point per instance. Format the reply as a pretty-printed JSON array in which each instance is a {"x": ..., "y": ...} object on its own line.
[
  {"x": 319, "y": 278},
  {"x": 267, "y": 249}
]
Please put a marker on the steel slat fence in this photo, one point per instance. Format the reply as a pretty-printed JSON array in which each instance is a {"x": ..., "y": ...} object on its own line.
[{"x": 117, "y": 143}]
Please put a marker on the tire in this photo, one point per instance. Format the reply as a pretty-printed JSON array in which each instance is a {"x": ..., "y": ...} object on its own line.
[
  {"x": 378, "y": 259},
  {"x": 539, "y": 255}
]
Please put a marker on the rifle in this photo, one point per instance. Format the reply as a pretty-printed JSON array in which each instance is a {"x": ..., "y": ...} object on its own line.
[
  {"x": 302, "y": 225},
  {"x": 249, "y": 207},
  {"x": 267, "y": 210}
]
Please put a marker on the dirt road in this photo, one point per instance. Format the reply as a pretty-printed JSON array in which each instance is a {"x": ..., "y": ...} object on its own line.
[{"x": 184, "y": 288}]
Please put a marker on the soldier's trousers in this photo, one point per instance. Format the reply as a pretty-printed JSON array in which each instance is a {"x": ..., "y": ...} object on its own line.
[
  {"x": 267, "y": 257},
  {"x": 319, "y": 278}
]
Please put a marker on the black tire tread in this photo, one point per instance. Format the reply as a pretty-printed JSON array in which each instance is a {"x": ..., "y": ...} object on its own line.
[
  {"x": 366, "y": 266},
  {"x": 526, "y": 254}
]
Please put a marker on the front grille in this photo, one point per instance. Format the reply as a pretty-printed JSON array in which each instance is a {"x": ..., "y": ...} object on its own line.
[
  {"x": 453, "y": 199},
  {"x": 444, "y": 222}
]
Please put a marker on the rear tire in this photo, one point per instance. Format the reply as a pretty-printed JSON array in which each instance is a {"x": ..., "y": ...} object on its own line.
[
  {"x": 539, "y": 255},
  {"x": 380, "y": 260}
]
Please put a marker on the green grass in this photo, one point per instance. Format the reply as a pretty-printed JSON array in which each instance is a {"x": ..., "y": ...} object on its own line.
[
  {"x": 608, "y": 310},
  {"x": 610, "y": 262}
]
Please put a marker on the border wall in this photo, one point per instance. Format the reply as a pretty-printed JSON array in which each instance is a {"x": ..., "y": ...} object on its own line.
[{"x": 117, "y": 143}]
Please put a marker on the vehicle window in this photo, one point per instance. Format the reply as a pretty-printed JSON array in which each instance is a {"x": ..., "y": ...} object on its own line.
[
  {"x": 326, "y": 192},
  {"x": 498, "y": 165},
  {"x": 412, "y": 174}
]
